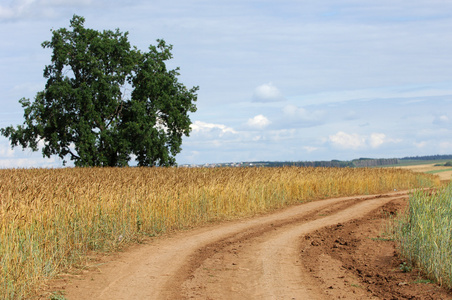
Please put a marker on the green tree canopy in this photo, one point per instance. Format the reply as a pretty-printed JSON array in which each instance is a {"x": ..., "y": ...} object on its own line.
[{"x": 105, "y": 102}]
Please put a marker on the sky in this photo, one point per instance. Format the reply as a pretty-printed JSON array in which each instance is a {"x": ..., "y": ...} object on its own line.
[{"x": 287, "y": 80}]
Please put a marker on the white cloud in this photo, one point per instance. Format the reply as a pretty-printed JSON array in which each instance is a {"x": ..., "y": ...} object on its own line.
[
  {"x": 377, "y": 139},
  {"x": 356, "y": 141},
  {"x": 348, "y": 141},
  {"x": 259, "y": 122},
  {"x": 203, "y": 127},
  {"x": 267, "y": 93}
]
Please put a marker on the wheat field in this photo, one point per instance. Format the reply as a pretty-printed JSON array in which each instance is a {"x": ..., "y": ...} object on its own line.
[
  {"x": 424, "y": 233},
  {"x": 51, "y": 218}
]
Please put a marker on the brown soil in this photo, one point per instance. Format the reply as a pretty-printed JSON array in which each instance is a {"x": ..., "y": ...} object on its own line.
[
  {"x": 357, "y": 258},
  {"x": 326, "y": 249}
]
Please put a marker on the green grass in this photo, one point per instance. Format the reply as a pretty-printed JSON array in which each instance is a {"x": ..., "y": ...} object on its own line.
[
  {"x": 59, "y": 295},
  {"x": 405, "y": 268},
  {"x": 420, "y": 162},
  {"x": 423, "y": 281},
  {"x": 425, "y": 234},
  {"x": 438, "y": 171},
  {"x": 382, "y": 239}
]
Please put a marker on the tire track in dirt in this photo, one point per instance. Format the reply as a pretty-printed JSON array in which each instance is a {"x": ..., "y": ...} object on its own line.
[
  {"x": 268, "y": 266},
  {"x": 256, "y": 258}
]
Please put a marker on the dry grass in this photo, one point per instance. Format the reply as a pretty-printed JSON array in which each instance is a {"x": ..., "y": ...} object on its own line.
[
  {"x": 443, "y": 172},
  {"x": 51, "y": 218}
]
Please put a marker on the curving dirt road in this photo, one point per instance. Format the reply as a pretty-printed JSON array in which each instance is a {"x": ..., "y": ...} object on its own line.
[{"x": 257, "y": 258}]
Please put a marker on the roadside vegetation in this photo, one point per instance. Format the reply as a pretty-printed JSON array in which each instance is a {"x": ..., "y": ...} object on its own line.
[
  {"x": 51, "y": 218},
  {"x": 425, "y": 233}
]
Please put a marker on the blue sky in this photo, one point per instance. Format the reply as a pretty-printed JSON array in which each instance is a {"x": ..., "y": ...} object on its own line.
[{"x": 279, "y": 80}]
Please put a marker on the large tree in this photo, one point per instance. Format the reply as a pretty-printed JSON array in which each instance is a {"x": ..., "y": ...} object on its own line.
[{"x": 106, "y": 102}]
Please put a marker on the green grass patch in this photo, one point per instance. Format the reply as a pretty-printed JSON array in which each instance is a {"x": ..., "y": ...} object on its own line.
[
  {"x": 425, "y": 234},
  {"x": 403, "y": 163},
  {"x": 423, "y": 281},
  {"x": 438, "y": 171},
  {"x": 405, "y": 268},
  {"x": 59, "y": 295},
  {"x": 383, "y": 239}
]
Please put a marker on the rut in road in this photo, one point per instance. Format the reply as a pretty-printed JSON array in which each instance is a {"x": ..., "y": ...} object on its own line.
[{"x": 256, "y": 258}]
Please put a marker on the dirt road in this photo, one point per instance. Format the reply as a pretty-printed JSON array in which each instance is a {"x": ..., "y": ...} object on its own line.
[{"x": 276, "y": 256}]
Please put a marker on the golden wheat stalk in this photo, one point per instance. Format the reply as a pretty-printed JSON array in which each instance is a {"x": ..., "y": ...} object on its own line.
[{"x": 51, "y": 217}]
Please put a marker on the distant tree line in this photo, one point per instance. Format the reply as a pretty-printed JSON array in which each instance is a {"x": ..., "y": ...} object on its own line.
[
  {"x": 325, "y": 164},
  {"x": 356, "y": 163},
  {"x": 369, "y": 162},
  {"x": 428, "y": 157}
]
